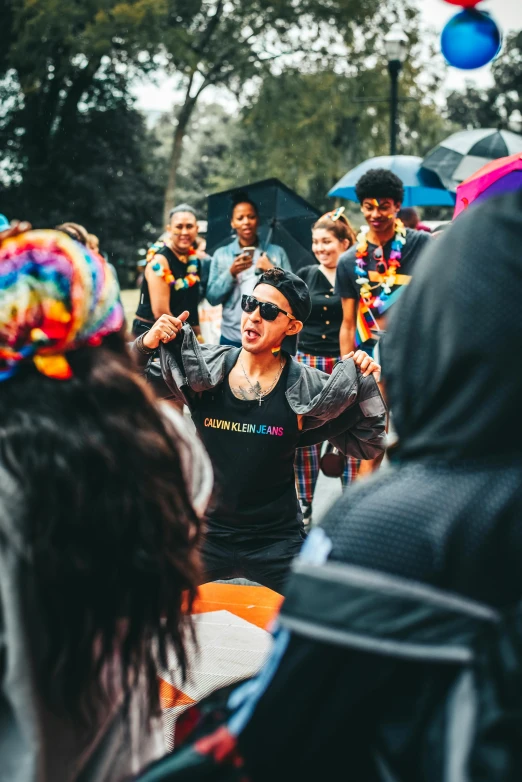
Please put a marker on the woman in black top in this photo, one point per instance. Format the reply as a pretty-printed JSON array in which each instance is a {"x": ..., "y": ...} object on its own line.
[
  {"x": 171, "y": 281},
  {"x": 318, "y": 346}
]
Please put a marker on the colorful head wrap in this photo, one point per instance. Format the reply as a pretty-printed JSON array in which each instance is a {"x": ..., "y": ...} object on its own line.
[{"x": 55, "y": 296}]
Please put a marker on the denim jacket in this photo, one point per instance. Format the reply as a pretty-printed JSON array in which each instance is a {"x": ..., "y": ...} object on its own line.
[
  {"x": 227, "y": 290},
  {"x": 345, "y": 408}
]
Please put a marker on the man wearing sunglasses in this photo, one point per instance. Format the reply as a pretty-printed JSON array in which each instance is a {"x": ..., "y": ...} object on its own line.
[{"x": 253, "y": 407}]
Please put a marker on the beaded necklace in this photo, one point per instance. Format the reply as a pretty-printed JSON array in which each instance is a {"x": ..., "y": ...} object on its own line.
[
  {"x": 375, "y": 296},
  {"x": 191, "y": 277}
]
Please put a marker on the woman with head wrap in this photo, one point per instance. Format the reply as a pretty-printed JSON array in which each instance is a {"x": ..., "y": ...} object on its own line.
[
  {"x": 100, "y": 490},
  {"x": 172, "y": 274},
  {"x": 417, "y": 569}
]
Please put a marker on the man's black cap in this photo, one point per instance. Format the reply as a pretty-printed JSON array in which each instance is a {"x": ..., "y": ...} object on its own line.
[{"x": 293, "y": 289}]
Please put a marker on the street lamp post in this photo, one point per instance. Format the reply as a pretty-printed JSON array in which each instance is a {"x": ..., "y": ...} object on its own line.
[{"x": 395, "y": 43}]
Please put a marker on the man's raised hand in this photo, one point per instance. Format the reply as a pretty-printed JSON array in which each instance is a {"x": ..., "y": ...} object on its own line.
[
  {"x": 166, "y": 328},
  {"x": 365, "y": 363}
]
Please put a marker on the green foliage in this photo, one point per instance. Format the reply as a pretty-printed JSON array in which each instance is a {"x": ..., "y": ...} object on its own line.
[
  {"x": 58, "y": 51},
  {"x": 313, "y": 116},
  {"x": 209, "y": 144},
  {"x": 309, "y": 78},
  {"x": 102, "y": 178},
  {"x": 308, "y": 129},
  {"x": 230, "y": 42},
  {"x": 73, "y": 148}
]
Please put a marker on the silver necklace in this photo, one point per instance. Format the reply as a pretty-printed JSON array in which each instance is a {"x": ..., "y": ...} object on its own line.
[{"x": 260, "y": 396}]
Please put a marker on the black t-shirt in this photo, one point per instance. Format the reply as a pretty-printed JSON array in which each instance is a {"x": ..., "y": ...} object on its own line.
[
  {"x": 345, "y": 283},
  {"x": 184, "y": 299},
  {"x": 252, "y": 448},
  {"x": 320, "y": 335}
]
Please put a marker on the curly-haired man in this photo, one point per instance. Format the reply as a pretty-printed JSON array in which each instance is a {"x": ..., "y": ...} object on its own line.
[{"x": 372, "y": 274}]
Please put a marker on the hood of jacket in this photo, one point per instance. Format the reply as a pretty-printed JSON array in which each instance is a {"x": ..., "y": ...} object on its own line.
[{"x": 451, "y": 357}]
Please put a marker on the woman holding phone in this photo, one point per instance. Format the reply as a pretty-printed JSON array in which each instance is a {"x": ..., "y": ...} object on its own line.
[
  {"x": 233, "y": 268},
  {"x": 318, "y": 344}
]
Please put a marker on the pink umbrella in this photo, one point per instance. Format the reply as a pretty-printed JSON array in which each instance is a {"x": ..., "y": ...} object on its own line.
[{"x": 500, "y": 176}]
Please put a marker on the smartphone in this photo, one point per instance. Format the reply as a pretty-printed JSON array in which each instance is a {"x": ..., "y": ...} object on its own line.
[{"x": 248, "y": 251}]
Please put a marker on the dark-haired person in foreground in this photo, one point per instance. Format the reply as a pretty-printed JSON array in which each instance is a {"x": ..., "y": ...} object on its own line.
[
  {"x": 234, "y": 272},
  {"x": 372, "y": 275},
  {"x": 398, "y": 652},
  {"x": 253, "y": 407},
  {"x": 100, "y": 491}
]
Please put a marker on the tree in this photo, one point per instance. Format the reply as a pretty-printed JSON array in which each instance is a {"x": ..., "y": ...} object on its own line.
[
  {"x": 497, "y": 106},
  {"x": 228, "y": 43},
  {"x": 72, "y": 145},
  {"x": 328, "y": 120},
  {"x": 210, "y": 140},
  {"x": 102, "y": 178},
  {"x": 58, "y": 51}
]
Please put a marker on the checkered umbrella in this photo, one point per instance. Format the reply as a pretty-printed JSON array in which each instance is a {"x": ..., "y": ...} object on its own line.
[{"x": 463, "y": 153}]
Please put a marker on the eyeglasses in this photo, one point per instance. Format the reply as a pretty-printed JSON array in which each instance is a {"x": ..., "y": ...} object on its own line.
[{"x": 267, "y": 310}]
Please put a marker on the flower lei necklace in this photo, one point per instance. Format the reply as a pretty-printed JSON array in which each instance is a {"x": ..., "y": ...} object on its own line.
[
  {"x": 191, "y": 277},
  {"x": 386, "y": 270}
]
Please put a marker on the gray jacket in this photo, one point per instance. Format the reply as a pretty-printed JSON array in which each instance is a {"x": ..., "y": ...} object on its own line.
[{"x": 345, "y": 408}]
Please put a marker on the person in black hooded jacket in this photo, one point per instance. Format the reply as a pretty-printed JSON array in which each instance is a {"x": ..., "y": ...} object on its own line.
[
  {"x": 447, "y": 513},
  {"x": 446, "y": 516}
]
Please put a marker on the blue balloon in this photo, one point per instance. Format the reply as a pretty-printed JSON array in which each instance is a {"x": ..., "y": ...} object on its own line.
[
  {"x": 4, "y": 223},
  {"x": 470, "y": 39}
]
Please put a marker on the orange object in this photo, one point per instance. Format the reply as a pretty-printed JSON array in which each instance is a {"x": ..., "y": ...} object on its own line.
[
  {"x": 55, "y": 366},
  {"x": 170, "y": 696},
  {"x": 258, "y": 605}
]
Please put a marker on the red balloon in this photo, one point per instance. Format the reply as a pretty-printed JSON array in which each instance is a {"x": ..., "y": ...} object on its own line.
[{"x": 464, "y": 3}]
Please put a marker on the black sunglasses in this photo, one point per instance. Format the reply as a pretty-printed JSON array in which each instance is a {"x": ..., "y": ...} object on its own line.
[{"x": 267, "y": 310}]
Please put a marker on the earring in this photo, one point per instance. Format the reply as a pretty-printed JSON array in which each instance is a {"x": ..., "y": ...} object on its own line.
[{"x": 276, "y": 351}]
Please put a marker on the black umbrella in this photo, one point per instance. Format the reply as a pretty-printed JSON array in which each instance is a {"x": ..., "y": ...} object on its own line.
[
  {"x": 286, "y": 219},
  {"x": 463, "y": 153}
]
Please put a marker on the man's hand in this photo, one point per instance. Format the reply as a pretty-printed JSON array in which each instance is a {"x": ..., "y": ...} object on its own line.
[
  {"x": 14, "y": 229},
  {"x": 365, "y": 363},
  {"x": 241, "y": 263},
  {"x": 166, "y": 328},
  {"x": 264, "y": 263}
]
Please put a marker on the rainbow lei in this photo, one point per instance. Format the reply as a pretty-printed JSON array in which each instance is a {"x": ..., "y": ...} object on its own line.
[
  {"x": 190, "y": 278},
  {"x": 158, "y": 245},
  {"x": 376, "y": 296}
]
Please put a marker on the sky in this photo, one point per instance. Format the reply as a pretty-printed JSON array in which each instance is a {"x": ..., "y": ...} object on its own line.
[{"x": 159, "y": 96}]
